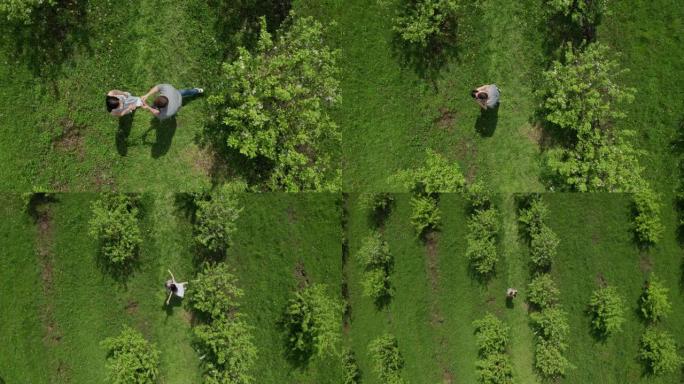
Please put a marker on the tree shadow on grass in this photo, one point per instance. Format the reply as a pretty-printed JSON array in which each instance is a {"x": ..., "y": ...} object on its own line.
[
  {"x": 50, "y": 38},
  {"x": 487, "y": 121},
  {"x": 164, "y": 131},
  {"x": 237, "y": 22},
  {"x": 122, "y": 134},
  {"x": 426, "y": 61},
  {"x": 119, "y": 272}
]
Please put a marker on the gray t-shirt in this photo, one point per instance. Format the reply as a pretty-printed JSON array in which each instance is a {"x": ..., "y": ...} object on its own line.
[
  {"x": 175, "y": 101},
  {"x": 492, "y": 95}
]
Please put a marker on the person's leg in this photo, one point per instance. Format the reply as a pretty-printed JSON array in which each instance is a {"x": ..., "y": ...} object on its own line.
[{"x": 190, "y": 92}]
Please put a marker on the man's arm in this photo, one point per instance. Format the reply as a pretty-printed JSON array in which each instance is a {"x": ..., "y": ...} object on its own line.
[
  {"x": 153, "y": 90},
  {"x": 154, "y": 111}
]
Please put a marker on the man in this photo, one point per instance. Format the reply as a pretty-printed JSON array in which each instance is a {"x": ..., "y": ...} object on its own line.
[
  {"x": 169, "y": 100},
  {"x": 487, "y": 96}
]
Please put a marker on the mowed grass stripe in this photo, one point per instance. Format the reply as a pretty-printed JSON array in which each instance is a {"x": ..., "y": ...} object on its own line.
[
  {"x": 283, "y": 240},
  {"x": 24, "y": 355}
]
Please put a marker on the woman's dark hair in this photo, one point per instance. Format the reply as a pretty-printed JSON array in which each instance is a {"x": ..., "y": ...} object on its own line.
[
  {"x": 112, "y": 102},
  {"x": 173, "y": 288},
  {"x": 473, "y": 93},
  {"x": 482, "y": 96},
  {"x": 161, "y": 102}
]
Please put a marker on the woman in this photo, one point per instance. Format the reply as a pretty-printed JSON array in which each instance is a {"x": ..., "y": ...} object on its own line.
[
  {"x": 487, "y": 96},
  {"x": 121, "y": 103},
  {"x": 174, "y": 288}
]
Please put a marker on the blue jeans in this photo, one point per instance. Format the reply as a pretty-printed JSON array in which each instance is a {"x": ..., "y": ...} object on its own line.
[{"x": 189, "y": 92}]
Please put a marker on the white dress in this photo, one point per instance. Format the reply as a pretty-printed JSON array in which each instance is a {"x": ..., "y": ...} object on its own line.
[{"x": 180, "y": 290}]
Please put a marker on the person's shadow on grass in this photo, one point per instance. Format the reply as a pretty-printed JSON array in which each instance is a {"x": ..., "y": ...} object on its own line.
[
  {"x": 125, "y": 124},
  {"x": 173, "y": 303},
  {"x": 164, "y": 131},
  {"x": 486, "y": 122}
]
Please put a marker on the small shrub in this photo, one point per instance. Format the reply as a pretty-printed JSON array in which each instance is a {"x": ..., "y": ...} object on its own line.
[
  {"x": 654, "y": 304},
  {"x": 350, "y": 368},
  {"x": 377, "y": 203},
  {"x": 495, "y": 368},
  {"x": 549, "y": 360},
  {"x": 647, "y": 223},
  {"x": 374, "y": 252},
  {"x": 376, "y": 285},
  {"x": 542, "y": 291},
  {"x": 228, "y": 350},
  {"x": 551, "y": 325},
  {"x": 131, "y": 358},
  {"x": 607, "y": 311},
  {"x": 312, "y": 323},
  {"x": 436, "y": 176},
  {"x": 543, "y": 247},
  {"x": 585, "y": 14},
  {"x": 423, "y": 22},
  {"x": 532, "y": 218},
  {"x": 479, "y": 196},
  {"x": 483, "y": 226},
  {"x": 492, "y": 335},
  {"x": 114, "y": 224},
  {"x": 659, "y": 352},
  {"x": 425, "y": 214},
  {"x": 215, "y": 219},
  {"x": 388, "y": 360},
  {"x": 214, "y": 291}
]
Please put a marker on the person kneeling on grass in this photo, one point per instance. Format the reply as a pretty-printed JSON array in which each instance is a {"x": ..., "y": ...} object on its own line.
[
  {"x": 169, "y": 100},
  {"x": 174, "y": 288},
  {"x": 121, "y": 103},
  {"x": 487, "y": 96}
]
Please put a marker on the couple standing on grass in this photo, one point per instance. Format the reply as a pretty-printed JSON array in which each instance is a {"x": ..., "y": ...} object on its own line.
[{"x": 164, "y": 106}]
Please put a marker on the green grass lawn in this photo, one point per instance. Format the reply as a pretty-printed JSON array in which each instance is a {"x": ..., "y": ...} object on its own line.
[
  {"x": 596, "y": 244},
  {"x": 436, "y": 299},
  {"x": 64, "y": 304}
]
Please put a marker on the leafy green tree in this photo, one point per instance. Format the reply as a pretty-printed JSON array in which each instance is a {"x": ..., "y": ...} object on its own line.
[
  {"x": 607, "y": 311},
  {"x": 350, "y": 368},
  {"x": 483, "y": 226},
  {"x": 425, "y": 215},
  {"x": 388, "y": 360},
  {"x": 647, "y": 223},
  {"x": 654, "y": 304},
  {"x": 131, "y": 359},
  {"x": 312, "y": 323},
  {"x": 543, "y": 247},
  {"x": 582, "y": 94},
  {"x": 550, "y": 361},
  {"x": 114, "y": 223},
  {"x": 20, "y": 10},
  {"x": 551, "y": 325},
  {"x": 492, "y": 335},
  {"x": 273, "y": 104},
  {"x": 659, "y": 352},
  {"x": 215, "y": 219},
  {"x": 542, "y": 291},
  {"x": 494, "y": 368},
  {"x": 423, "y": 22},
  {"x": 228, "y": 350},
  {"x": 214, "y": 291},
  {"x": 379, "y": 205},
  {"x": 438, "y": 175}
]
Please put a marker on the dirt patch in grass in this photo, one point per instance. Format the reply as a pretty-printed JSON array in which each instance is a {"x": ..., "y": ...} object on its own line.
[
  {"x": 447, "y": 377},
  {"x": 601, "y": 280},
  {"x": 71, "y": 140},
  {"x": 131, "y": 307},
  {"x": 446, "y": 119},
  {"x": 466, "y": 153},
  {"x": 202, "y": 160},
  {"x": 432, "y": 267},
  {"x": 291, "y": 215},
  {"x": 103, "y": 180},
  {"x": 299, "y": 273},
  {"x": 645, "y": 263},
  {"x": 536, "y": 134}
]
